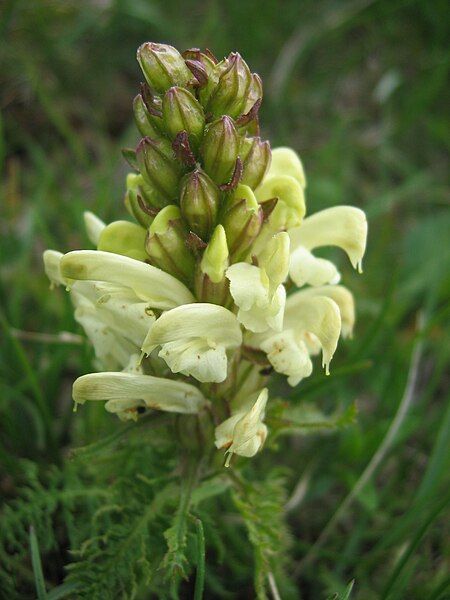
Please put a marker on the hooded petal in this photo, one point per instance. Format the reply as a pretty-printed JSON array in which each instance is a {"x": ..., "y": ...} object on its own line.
[
  {"x": 343, "y": 298},
  {"x": 94, "y": 226},
  {"x": 149, "y": 283},
  {"x": 342, "y": 226},
  {"x": 244, "y": 433},
  {"x": 287, "y": 162},
  {"x": 194, "y": 338},
  {"x": 306, "y": 268},
  {"x": 318, "y": 315},
  {"x": 52, "y": 267},
  {"x": 126, "y": 391},
  {"x": 274, "y": 258},
  {"x": 290, "y": 208}
]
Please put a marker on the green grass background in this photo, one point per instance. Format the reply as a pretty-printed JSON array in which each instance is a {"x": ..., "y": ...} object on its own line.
[{"x": 359, "y": 89}]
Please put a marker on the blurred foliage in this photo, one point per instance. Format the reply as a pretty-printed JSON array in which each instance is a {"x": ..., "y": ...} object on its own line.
[{"x": 359, "y": 89}]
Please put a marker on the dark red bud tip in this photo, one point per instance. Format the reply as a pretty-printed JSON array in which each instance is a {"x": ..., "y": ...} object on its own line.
[
  {"x": 149, "y": 100},
  {"x": 251, "y": 115},
  {"x": 192, "y": 53},
  {"x": 195, "y": 242},
  {"x": 268, "y": 207},
  {"x": 235, "y": 178},
  {"x": 198, "y": 71},
  {"x": 182, "y": 149},
  {"x": 210, "y": 55},
  {"x": 149, "y": 210}
]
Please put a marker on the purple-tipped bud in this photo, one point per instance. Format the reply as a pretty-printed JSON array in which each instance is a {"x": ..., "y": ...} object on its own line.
[
  {"x": 199, "y": 202},
  {"x": 220, "y": 149},
  {"x": 183, "y": 112},
  {"x": 158, "y": 168},
  {"x": 256, "y": 157},
  {"x": 242, "y": 221},
  {"x": 166, "y": 244},
  {"x": 231, "y": 92},
  {"x": 163, "y": 66}
]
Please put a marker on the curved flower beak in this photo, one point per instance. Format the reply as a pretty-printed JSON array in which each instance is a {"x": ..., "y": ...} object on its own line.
[
  {"x": 124, "y": 393},
  {"x": 194, "y": 339},
  {"x": 244, "y": 433},
  {"x": 149, "y": 283},
  {"x": 342, "y": 226},
  {"x": 52, "y": 267}
]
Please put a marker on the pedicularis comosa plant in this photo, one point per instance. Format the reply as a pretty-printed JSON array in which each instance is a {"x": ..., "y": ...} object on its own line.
[{"x": 186, "y": 305}]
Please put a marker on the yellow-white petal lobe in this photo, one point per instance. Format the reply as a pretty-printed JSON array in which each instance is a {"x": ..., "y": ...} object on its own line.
[
  {"x": 215, "y": 257},
  {"x": 116, "y": 307},
  {"x": 290, "y": 208},
  {"x": 111, "y": 349},
  {"x": 288, "y": 355},
  {"x": 343, "y": 298},
  {"x": 286, "y": 161},
  {"x": 94, "y": 226},
  {"x": 124, "y": 393},
  {"x": 52, "y": 267},
  {"x": 305, "y": 268},
  {"x": 244, "y": 433},
  {"x": 318, "y": 315},
  {"x": 342, "y": 226},
  {"x": 149, "y": 283},
  {"x": 194, "y": 339},
  {"x": 260, "y": 306}
]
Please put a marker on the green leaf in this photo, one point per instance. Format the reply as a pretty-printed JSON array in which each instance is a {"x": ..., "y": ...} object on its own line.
[{"x": 37, "y": 566}]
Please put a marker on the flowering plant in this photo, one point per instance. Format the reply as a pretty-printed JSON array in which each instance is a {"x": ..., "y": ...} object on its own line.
[{"x": 187, "y": 307}]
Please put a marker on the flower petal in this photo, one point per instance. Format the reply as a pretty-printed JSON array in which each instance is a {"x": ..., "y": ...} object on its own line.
[
  {"x": 137, "y": 390},
  {"x": 343, "y": 298},
  {"x": 94, "y": 226},
  {"x": 244, "y": 432},
  {"x": 306, "y": 268},
  {"x": 194, "y": 338},
  {"x": 318, "y": 315},
  {"x": 158, "y": 288},
  {"x": 52, "y": 267},
  {"x": 117, "y": 307},
  {"x": 287, "y": 162},
  {"x": 342, "y": 226},
  {"x": 288, "y": 356},
  {"x": 290, "y": 208}
]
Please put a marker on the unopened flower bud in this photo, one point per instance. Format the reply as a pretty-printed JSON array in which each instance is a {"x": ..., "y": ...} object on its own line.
[
  {"x": 134, "y": 205},
  {"x": 242, "y": 222},
  {"x": 125, "y": 238},
  {"x": 166, "y": 244},
  {"x": 163, "y": 66},
  {"x": 158, "y": 168},
  {"x": 211, "y": 283},
  {"x": 230, "y": 95},
  {"x": 215, "y": 257},
  {"x": 183, "y": 112},
  {"x": 199, "y": 201},
  {"x": 220, "y": 149},
  {"x": 256, "y": 157}
]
